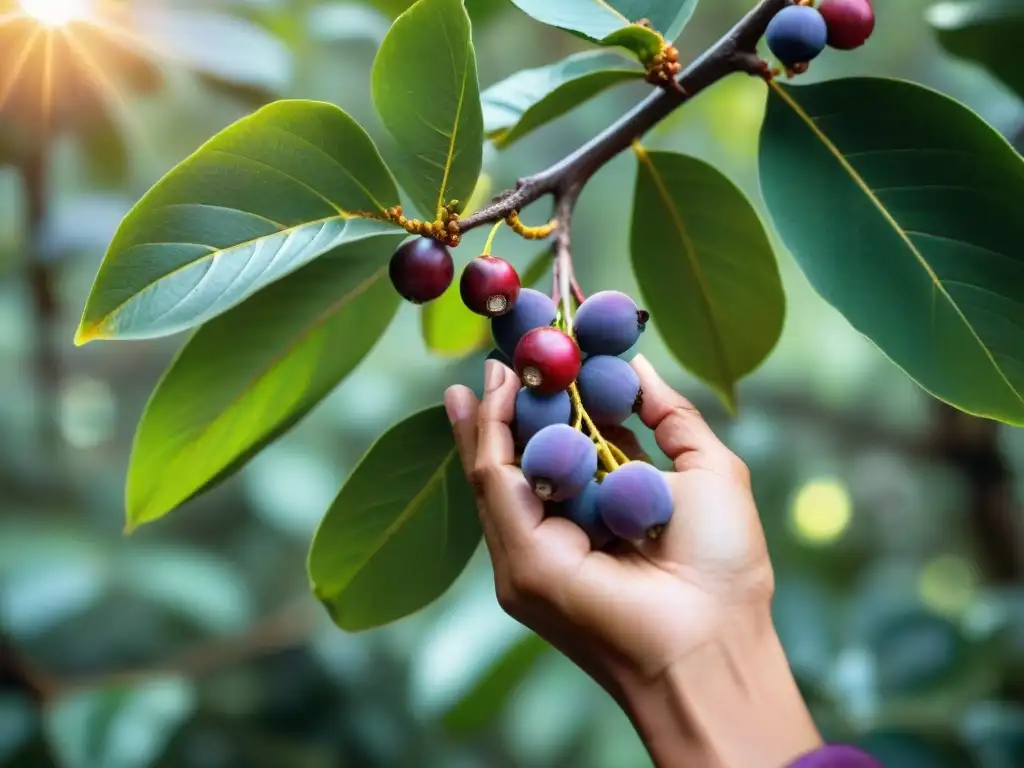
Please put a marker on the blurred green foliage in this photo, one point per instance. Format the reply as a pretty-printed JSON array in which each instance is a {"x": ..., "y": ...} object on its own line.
[{"x": 195, "y": 643}]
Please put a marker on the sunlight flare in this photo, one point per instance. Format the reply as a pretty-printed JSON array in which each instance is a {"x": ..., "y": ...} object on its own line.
[{"x": 56, "y": 13}]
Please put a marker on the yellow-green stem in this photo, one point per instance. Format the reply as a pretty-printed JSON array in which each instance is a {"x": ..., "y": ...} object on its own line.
[
  {"x": 604, "y": 450},
  {"x": 490, "y": 237},
  {"x": 621, "y": 457}
]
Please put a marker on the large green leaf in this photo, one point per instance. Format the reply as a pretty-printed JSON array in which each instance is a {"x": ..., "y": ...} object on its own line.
[
  {"x": 901, "y": 207},
  {"x": 425, "y": 89},
  {"x": 705, "y": 268},
  {"x": 260, "y": 199},
  {"x": 401, "y": 530},
  {"x": 989, "y": 32},
  {"x": 532, "y": 97},
  {"x": 251, "y": 373},
  {"x": 613, "y": 22}
]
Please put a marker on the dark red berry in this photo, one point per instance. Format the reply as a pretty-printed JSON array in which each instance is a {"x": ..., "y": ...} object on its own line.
[
  {"x": 489, "y": 286},
  {"x": 421, "y": 270},
  {"x": 850, "y": 22},
  {"x": 547, "y": 360}
]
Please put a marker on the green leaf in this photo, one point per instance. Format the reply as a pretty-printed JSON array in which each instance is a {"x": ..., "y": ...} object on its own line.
[
  {"x": 450, "y": 329},
  {"x": 260, "y": 199},
  {"x": 119, "y": 726},
  {"x": 425, "y": 88},
  {"x": 401, "y": 530},
  {"x": 900, "y": 206},
  {"x": 613, "y": 22},
  {"x": 482, "y": 704},
  {"x": 228, "y": 52},
  {"x": 987, "y": 32},
  {"x": 250, "y": 374},
  {"x": 532, "y": 97},
  {"x": 705, "y": 269}
]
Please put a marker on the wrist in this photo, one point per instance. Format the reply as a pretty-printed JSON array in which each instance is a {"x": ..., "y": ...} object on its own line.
[{"x": 731, "y": 703}]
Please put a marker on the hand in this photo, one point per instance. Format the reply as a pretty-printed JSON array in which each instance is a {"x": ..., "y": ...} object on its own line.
[{"x": 646, "y": 616}]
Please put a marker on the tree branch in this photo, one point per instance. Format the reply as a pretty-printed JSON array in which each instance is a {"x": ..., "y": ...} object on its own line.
[{"x": 735, "y": 52}]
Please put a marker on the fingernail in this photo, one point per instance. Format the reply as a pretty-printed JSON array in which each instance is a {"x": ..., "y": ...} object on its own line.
[
  {"x": 494, "y": 375},
  {"x": 455, "y": 406}
]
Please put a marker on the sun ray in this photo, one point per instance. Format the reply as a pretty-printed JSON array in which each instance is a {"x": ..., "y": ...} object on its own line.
[
  {"x": 7, "y": 86},
  {"x": 49, "y": 83},
  {"x": 138, "y": 43},
  {"x": 16, "y": 15}
]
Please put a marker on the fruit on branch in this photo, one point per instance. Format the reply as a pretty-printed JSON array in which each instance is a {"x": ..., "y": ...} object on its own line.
[
  {"x": 609, "y": 389},
  {"x": 489, "y": 286},
  {"x": 608, "y": 323},
  {"x": 532, "y": 309},
  {"x": 635, "y": 501},
  {"x": 797, "y": 34},
  {"x": 534, "y": 411},
  {"x": 582, "y": 510},
  {"x": 558, "y": 462},
  {"x": 421, "y": 270},
  {"x": 547, "y": 360},
  {"x": 849, "y": 22}
]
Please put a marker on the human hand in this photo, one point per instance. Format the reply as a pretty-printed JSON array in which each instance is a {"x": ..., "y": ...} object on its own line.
[{"x": 639, "y": 617}]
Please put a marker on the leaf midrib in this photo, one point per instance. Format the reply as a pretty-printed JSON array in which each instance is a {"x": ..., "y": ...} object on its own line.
[
  {"x": 455, "y": 127},
  {"x": 414, "y": 505},
  {"x": 318, "y": 322},
  {"x": 717, "y": 343},
  {"x": 857, "y": 179}
]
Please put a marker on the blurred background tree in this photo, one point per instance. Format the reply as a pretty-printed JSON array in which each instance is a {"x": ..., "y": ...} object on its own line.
[{"x": 894, "y": 522}]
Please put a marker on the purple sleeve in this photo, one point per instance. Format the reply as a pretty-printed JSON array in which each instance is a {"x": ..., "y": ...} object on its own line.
[{"x": 836, "y": 756}]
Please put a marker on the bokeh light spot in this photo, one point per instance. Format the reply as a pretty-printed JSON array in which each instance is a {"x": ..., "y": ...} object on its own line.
[
  {"x": 56, "y": 13},
  {"x": 821, "y": 511},
  {"x": 948, "y": 585}
]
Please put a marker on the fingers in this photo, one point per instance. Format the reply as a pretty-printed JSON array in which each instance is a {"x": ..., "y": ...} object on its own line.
[{"x": 678, "y": 427}]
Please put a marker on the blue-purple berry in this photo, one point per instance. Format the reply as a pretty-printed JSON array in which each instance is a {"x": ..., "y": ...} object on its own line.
[
  {"x": 608, "y": 323},
  {"x": 582, "y": 510},
  {"x": 534, "y": 411},
  {"x": 532, "y": 309},
  {"x": 635, "y": 501},
  {"x": 797, "y": 34},
  {"x": 558, "y": 462},
  {"x": 609, "y": 389}
]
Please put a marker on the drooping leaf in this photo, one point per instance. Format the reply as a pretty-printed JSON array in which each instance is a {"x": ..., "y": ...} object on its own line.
[
  {"x": 227, "y": 51},
  {"x": 481, "y": 705},
  {"x": 906, "y": 221},
  {"x": 401, "y": 530},
  {"x": 452, "y": 330},
  {"x": 260, "y": 199},
  {"x": 532, "y": 97},
  {"x": 987, "y": 32},
  {"x": 425, "y": 88},
  {"x": 251, "y": 373},
  {"x": 613, "y": 22},
  {"x": 119, "y": 726},
  {"x": 705, "y": 269}
]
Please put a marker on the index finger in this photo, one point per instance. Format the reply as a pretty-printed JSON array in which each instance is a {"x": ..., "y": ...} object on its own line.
[{"x": 678, "y": 426}]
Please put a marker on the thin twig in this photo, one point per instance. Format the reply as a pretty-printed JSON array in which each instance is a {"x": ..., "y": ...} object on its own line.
[{"x": 734, "y": 52}]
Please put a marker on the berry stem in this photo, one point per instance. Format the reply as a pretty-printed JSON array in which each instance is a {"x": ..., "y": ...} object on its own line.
[
  {"x": 490, "y": 237},
  {"x": 604, "y": 450},
  {"x": 618, "y": 454},
  {"x": 734, "y": 52}
]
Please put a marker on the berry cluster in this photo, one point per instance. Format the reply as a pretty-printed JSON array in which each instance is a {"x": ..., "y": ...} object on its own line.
[
  {"x": 799, "y": 33},
  {"x": 574, "y": 383}
]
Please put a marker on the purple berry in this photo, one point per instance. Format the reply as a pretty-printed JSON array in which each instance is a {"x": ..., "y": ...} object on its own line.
[
  {"x": 535, "y": 411},
  {"x": 582, "y": 510},
  {"x": 558, "y": 462},
  {"x": 635, "y": 501},
  {"x": 797, "y": 34},
  {"x": 608, "y": 323},
  {"x": 609, "y": 389},
  {"x": 532, "y": 309},
  {"x": 421, "y": 270}
]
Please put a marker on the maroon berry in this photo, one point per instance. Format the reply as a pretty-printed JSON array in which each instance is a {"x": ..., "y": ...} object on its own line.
[
  {"x": 850, "y": 22},
  {"x": 547, "y": 360},
  {"x": 421, "y": 270},
  {"x": 489, "y": 286}
]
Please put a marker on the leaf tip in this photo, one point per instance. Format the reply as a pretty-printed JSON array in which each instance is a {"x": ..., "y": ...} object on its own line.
[{"x": 87, "y": 333}]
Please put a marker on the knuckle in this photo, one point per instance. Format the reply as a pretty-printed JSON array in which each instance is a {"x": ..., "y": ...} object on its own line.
[
  {"x": 482, "y": 474},
  {"x": 687, "y": 411},
  {"x": 738, "y": 468}
]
